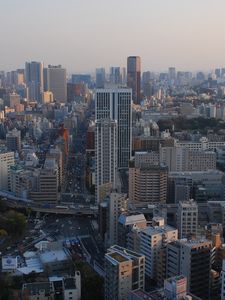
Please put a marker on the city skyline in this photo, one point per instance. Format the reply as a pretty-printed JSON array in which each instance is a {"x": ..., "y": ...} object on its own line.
[{"x": 82, "y": 36}]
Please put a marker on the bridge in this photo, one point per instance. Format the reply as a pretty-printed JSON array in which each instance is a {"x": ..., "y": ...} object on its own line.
[{"x": 16, "y": 202}]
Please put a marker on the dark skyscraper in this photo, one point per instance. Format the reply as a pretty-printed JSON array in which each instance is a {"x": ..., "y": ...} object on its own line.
[
  {"x": 115, "y": 76},
  {"x": 34, "y": 79},
  {"x": 134, "y": 77},
  {"x": 100, "y": 78}
]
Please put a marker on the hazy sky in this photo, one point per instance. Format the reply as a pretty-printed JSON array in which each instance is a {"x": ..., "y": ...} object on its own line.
[{"x": 84, "y": 34}]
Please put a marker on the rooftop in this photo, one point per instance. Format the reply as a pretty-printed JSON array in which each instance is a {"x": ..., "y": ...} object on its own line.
[
  {"x": 119, "y": 254},
  {"x": 157, "y": 229},
  {"x": 130, "y": 220},
  {"x": 195, "y": 243},
  {"x": 192, "y": 243},
  {"x": 52, "y": 256},
  {"x": 188, "y": 203},
  {"x": 118, "y": 257},
  {"x": 36, "y": 287}
]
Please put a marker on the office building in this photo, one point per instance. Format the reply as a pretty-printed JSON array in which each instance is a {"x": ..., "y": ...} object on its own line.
[
  {"x": 114, "y": 76},
  {"x": 202, "y": 186},
  {"x": 117, "y": 205},
  {"x": 46, "y": 187},
  {"x": 187, "y": 219},
  {"x": 148, "y": 184},
  {"x": 143, "y": 158},
  {"x": 124, "y": 76},
  {"x": 34, "y": 80},
  {"x": 81, "y": 78},
  {"x": 146, "y": 77},
  {"x": 100, "y": 78},
  {"x": 105, "y": 157},
  {"x": 20, "y": 181},
  {"x": 184, "y": 159},
  {"x": 134, "y": 77},
  {"x": 218, "y": 73},
  {"x": 55, "y": 77},
  {"x": 191, "y": 258},
  {"x": 152, "y": 239},
  {"x": 6, "y": 161},
  {"x": 115, "y": 104},
  {"x": 125, "y": 225},
  {"x": 172, "y": 75},
  {"x": 20, "y": 77},
  {"x": 203, "y": 144},
  {"x": 13, "y": 140},
  {"x": 125, "y": 271},
  {"x": 112, "y": 206},
  {"x": 151, "y": 143}
]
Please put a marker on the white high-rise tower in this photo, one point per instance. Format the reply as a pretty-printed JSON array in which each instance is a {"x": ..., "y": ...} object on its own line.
[
  {"x": 115, "y": 104},
  {"x": 106, "y": 156}
]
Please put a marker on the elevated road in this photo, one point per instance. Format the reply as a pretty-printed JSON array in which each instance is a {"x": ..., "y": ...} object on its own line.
[{"x": 16, "y": 202}]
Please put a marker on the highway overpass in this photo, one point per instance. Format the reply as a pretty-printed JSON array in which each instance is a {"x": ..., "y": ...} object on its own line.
[{"x": 16, "y": 202}]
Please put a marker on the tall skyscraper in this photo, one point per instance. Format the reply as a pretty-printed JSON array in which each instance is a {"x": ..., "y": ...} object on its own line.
[
  {"x": 106, "y": 156},
  {"x": 115, "y": 76},
  {"x": 172, "y": 75},
  {"x": 125, "y": 271},
  {"x": 218, "y": 73},
  {"x": 81, "y": 78},
  {"x": 134, "y": 77},
  {"x": 124, "y": 76},
  {"x": 115, "y": 104},
  {"x": 55, "y": 82},
  {"x": 34, "y": 80},
  {"x": 100, "y": 78}
]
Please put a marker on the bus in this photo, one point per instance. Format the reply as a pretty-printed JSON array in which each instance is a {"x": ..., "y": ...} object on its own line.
[{"x": 62, "y": 207}]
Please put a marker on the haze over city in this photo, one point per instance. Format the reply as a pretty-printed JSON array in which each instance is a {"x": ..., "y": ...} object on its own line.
[
  {"x": 82, "y": 35},
  {"x": 112, "y": 150}
]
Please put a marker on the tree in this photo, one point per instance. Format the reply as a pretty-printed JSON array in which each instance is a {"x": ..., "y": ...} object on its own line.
[
  {"x": 16, "y": 222},
  {"x": 92, "y": 282},
  {"x": 3, "y": 206}
]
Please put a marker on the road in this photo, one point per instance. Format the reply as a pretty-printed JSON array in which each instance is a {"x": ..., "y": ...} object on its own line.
[{"x": 75, "y": 191}]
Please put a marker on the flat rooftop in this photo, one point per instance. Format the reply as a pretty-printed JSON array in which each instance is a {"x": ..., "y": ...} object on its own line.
[
  {"x": 49, "y": 256},
  {"x": 34, "y": 288},
  {"x": 118, "y": 257}
]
